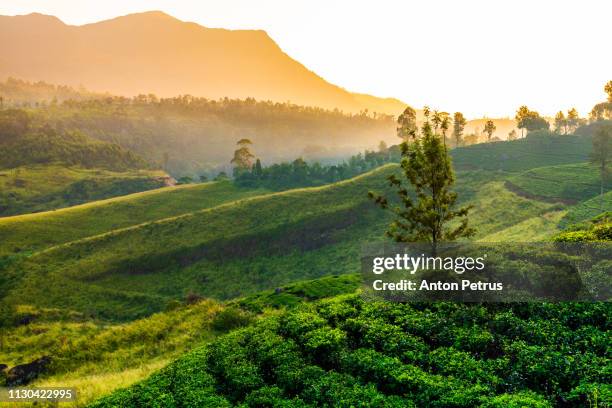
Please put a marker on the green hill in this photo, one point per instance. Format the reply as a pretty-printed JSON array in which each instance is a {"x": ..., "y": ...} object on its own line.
[
  {"x": 44, "y": 167},
  {"x": 235, "y": 248},
  {"x": 33, "y": 232},
  {"x": 96, "y": 357},
  {"x": 27, "y": 139},
  {"x": 568, "y": 183},
  {"x": 587, "y": 210},
  {"x": 537, "y": 150},
  {"x": 34, "y": 188}
]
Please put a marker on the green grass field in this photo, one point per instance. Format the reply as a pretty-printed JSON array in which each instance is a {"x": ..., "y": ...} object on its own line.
[
  {"x": 237, "y": 248},
  {"x": 33, "y": 232},
  {"x": 34, "y": 188}
]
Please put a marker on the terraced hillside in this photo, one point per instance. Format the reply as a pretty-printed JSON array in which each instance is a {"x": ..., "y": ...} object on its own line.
[
  {"x": 536, "y": 150},
  {"x": 570, "y": 183},
  {"x": 347, "y": 352}
]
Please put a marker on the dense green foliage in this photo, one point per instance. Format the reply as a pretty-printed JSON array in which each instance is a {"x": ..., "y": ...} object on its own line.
[
  {"x": 347, "y": 352},
  {"x": 597, "y": 229},
  {"x": 27, "y": 140},
  {"x": 588, "y": 209},
  {"x": 44, "y": 167}
]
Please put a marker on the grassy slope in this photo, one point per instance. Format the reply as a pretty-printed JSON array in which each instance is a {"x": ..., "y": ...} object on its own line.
[
  {"x": 348, "y": 351},
  {"x": 565, "y": 183},
  {"x": 97, "y": 358},
  {"x": 34, "y": 188},
  {"x": 523, "y": 154},
  {"x": 587, "y": 210},
  {"x": 33, "y": 232},
  {"x": 237, "y": 248}
]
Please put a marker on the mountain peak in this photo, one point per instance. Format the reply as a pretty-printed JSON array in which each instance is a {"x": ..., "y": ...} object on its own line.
[
  {"x": 153, "y": 52},
  {"x": 36, "y": 18}
]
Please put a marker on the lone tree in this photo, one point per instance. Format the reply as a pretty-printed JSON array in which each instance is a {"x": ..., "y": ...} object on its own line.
[
  {"x": 601, "y": 156},
  {"x": 459, "y": 123},
  {"x": 489, "y": 129},
  {"x": 426, "y": 166},
  {"x": 407, "y": 125},
  {"x": 243, "y": 158}
]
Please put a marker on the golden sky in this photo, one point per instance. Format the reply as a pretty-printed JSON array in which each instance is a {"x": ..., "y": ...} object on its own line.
[{"x": 484, "y": 58}]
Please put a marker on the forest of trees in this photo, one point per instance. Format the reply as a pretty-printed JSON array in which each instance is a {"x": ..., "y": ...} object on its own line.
[
  {"x": 300, "y": 173},
  {"x": 189, "y": 135},
  {"x": 26, "y": 140}
]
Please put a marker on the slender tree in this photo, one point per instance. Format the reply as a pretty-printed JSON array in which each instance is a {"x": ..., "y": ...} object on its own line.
[
  {"x": 573, "y": 121},
  {"x": 489, "y": 129},
  {"x": 426, "y": 166},
  {"x": 444, "y": 125},
  {"x": 601, "y": 155},
  {"x": 560, "y": 122},
  {"x": 459, "y": 123},
  {"x": 608, "y": 89},
  {"x": 436, "y": 120}
]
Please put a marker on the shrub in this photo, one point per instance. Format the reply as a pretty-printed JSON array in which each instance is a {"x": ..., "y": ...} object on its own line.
[{"x": 231, "y": 318}]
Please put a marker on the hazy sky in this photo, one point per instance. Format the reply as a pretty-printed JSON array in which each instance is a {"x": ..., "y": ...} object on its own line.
[{"x": 481, "y": 57}]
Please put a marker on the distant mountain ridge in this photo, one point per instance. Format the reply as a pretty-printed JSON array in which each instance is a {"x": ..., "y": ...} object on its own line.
[{"x": 152, "y": 52}]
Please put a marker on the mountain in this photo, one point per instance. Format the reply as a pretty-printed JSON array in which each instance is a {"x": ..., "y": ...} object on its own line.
[{"x": 153, "y": 52}]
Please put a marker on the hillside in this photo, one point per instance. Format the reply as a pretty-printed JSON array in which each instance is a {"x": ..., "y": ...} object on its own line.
[
  {"x": 35, "y": 232},
  {"x": 347, "y": 352},
  {"x": 43, "y": 166},
  {"x": 570, "y": 183},
  {"x": 192, "y": 136},
  {"x": 236, "y": 248},
  {"x": 153, "y": 52},
  {"x": 101, "y": 357},
  {"x": 537, "y": 150},
  {"x": 91, "y": 279},
  {"x": 40, "y": 187}
]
